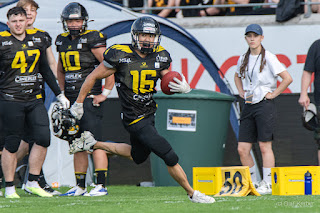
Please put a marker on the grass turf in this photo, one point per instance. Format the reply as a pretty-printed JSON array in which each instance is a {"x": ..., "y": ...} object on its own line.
[{"x": 156, "y": 199}]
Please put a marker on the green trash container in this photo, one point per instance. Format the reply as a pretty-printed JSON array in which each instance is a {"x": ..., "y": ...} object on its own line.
[{"x": 196, "y": 126}]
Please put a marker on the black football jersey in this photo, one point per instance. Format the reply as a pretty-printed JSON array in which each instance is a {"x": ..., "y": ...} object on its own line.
[
  {"x": 136, "y": 78},
  {"x": 78, "y": 61},
  {"x": 40, "y": 36},
  {"x": 19, "y": 67}
]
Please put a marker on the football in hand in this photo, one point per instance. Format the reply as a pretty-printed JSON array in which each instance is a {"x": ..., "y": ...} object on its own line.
[{"x": 166, "y": 79}]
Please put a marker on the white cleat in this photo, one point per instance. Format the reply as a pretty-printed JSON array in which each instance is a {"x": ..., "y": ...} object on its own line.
[
  {"x": 264, "y": 188},
  {"x": 76, "y": 191},
  {"x": 99, "y": 190},
  {"x": 199, "y": 197}
]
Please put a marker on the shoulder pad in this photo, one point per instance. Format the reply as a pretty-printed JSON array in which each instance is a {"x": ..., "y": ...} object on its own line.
[
  {"x": 160, "y": 48},
  {"x": 5, "y": 34},
  {"x": 121, "y": 47}
]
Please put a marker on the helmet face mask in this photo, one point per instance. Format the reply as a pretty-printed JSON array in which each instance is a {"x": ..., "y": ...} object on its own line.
[
  {"x": 145, "y": 25},
  {"x": 74, "y": 11},
  {"x": 64, "y": 125},
  {"x": 309, "y": 118}
]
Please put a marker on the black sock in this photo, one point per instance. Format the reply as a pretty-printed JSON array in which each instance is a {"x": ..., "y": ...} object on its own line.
[
  {"x": 81, "y": 179},
  {"x": 33, "y": 177},
  {"x": 42, "y": 180},
  {"x": 8, "y": 184},
  {"x": 101, "y": 176}
]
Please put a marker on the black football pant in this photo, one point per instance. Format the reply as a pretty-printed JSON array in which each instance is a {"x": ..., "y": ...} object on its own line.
[{"x": 16, "y": 115}]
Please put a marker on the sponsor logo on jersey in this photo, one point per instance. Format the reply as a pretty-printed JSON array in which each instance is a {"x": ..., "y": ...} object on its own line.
[
  {"x": 29, "y": 91},
  {"x": 83, "y": 40},
  {"x": 36, "y": 40},
  {"x": 144, "y": 65},
  {"x": 59, "y": 43},
  {"x": 30, "y": 43},
  {"x": 125, "y": 60},
  {"x": 79, "y": 46},
  {"x": 71, "y": 76},
  {"x": 69, "y": 47},
  {"x": 142, "y": 98},
  {"x": 24, "y": 46},
  {"x": 7, "y": 43},
  {"x": 71, "y": 88},
  {"x": 117, "y": 84},
  {"x": 26, "y": 79},
  {"x": 161, "y": 59},
  {"x": 156, "y": 65}
]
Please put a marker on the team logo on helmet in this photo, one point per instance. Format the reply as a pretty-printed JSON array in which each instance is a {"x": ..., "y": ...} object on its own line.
[
  {"x": 74, "y": 10},
  {"x": 64, "y": 125},
  {"x": 146, "y": 25}
]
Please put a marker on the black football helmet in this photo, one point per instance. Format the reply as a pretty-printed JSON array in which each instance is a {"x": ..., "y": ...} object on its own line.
[
  {"x": 64, "y": 125},
  {"x": 309, "y": 118},
  {"x": 74, "y": 10},
  {"x": 148, "y": 25}
]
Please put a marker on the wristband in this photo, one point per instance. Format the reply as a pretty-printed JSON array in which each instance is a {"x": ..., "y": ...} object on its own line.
[{"x": 106, "y": 92}]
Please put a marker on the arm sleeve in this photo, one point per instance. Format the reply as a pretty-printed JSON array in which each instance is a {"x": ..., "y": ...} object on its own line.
[{"x": 47, "y": 75}]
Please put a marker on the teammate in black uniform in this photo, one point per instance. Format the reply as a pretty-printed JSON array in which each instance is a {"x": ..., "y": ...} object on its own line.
[
  {"x": 137, "y": 68},
  {"x": 20, "y": 99},
  {"x": 80, "y": 51},
  {"x": 39, "y": 36}
]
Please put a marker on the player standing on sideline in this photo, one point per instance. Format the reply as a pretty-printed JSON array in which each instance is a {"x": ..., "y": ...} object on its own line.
[
  {"x": 312, "y": 65},
  {"x": 31, "y": 7},
  {"x": 80, "y": 51},
  {"x": 137, "y": 68},
  {"x": 256, "y": 81},
  {"x": 21, "y": 59}
]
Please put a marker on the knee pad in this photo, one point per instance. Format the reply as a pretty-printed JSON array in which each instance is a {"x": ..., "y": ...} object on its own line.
[
  {"x": 12, "y": 143},
  {"x": 171, "y": 158},
  {"x": 43, "y": 138}
]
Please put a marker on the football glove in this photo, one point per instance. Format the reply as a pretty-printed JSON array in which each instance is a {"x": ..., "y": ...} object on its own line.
[
  {"x": 64, "y": 101},
  {"x": 84, "y": 143},
  {"x": 179, "y": 86},
  {"x": 77, "y": 110}
]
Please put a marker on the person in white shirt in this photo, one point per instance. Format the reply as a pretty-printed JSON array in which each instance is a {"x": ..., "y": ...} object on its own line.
[{"x": 256, "y": 81}]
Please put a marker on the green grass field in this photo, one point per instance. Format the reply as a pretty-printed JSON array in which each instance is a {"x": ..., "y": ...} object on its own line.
[{"x": 156, "y": 199}]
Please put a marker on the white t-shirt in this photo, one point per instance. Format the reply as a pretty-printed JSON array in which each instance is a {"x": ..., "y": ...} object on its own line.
[{"x": 261, "y": 82}]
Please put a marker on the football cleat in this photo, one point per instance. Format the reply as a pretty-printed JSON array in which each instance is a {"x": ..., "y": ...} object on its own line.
[
  {"x": 37, "y": 191},
  {"x": 13, "y": 195},
  {"x": 264, "y": 188},
  {"x": 76, "y": 191},
  {"x": 199, "y": 197},
  {"x": 99, "y": 190},
  {"x": 84, "y": 143},
  {"x": 50, "y": 190}
]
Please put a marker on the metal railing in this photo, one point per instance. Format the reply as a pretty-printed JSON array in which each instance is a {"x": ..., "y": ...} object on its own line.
[{"x": 147, "y": 9}]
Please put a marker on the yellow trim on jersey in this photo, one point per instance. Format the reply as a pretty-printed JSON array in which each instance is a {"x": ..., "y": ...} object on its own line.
[
  {"x": 88, "y": 31},
  {"x": 5, "y": 34},
  {"x": 159, "y": 49},
  {"x": 64, "y": 34},
  {"x": 123, "y": 48},
  {"x": 34, "y": 31},
  {"x": 39, "y": 96},
  {"x": 136, "y": 121}
]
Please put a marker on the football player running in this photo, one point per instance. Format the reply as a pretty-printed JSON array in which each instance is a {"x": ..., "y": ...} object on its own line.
[
  {"x": 137, "y": 67},
  {"x": 80, "y": 51},
  {"x": 22, "y": 59}
]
